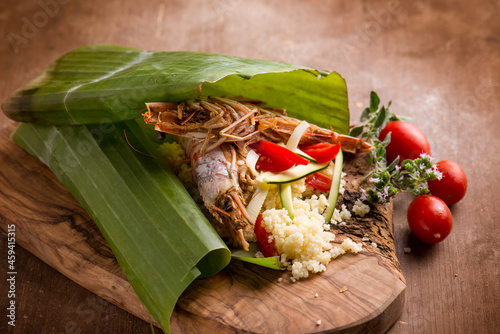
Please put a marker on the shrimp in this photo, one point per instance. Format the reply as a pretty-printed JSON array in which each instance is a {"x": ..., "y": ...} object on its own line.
[
  {"x": 216, "y": 174},
  {"x": 217, "y": 120},
  {"x": 214, "y": 132}
]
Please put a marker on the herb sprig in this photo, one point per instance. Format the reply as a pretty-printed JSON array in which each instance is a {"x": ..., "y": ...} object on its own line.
[{"x": 410, "y": 176}]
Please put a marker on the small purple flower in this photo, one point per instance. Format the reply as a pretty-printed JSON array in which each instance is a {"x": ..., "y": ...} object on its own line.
[
  {"x": 436, "y": 171},
  {"x": 364, "y": 195},
  {"x": 426, "y": 156},
  {"x": 381, "y": 196}
]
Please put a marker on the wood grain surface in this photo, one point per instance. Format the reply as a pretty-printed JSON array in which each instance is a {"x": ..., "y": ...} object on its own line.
[
  {"x": 439, "y": 62},
  {"x": 241, "y": 298}
]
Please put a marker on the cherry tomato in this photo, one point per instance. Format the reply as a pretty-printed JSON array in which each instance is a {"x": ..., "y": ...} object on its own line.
[
  {"x": 319, "y": 181},
  {"x": 452, "y": 186},
  {"x": 322, "y": 152},
  {"x": 267, "y": 248},
  {"x": 407, "y": 141},
  {"x": 275, "y": 158},
  {"x": 430, "y": 219}
]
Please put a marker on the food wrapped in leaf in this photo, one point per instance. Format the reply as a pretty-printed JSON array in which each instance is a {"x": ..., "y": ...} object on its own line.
[{"x": 85, "y": 101}]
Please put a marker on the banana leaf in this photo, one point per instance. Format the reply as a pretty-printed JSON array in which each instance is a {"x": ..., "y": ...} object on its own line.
[
  {"x": 160, "y": 238},
  {"x": 105, "y": 83}
]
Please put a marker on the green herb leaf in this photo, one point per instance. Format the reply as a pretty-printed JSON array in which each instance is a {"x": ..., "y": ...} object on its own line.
[
  {"x": 381, "y": 152},
  {"x": 356, "y": 131},
  {"x": 374, "y": 101},
  {"x": 386, "y": 140},
  {"x": 393, "y": 164},
  {"x": 381, "y": 118},
  {"x": 365, "y": 115}
]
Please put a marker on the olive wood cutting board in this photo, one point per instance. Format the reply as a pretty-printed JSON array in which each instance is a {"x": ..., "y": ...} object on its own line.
[{"x": 362, "y": 293}]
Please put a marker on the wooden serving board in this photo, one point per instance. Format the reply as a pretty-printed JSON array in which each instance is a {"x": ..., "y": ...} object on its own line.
[{"x": 361, "y": 293}]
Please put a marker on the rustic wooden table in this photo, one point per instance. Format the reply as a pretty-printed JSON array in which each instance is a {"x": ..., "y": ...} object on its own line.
[{"x": 439, "y": 63}]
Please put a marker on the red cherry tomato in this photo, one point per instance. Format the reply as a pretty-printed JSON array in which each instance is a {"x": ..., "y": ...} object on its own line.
[
  {"x": 322, "y": 152},
  {"x": 452, "y": 186},
  {"x": 407, "y": 141},
  {"x": 267, "y": 248},
  {"x": 319, "y": 181},
  {"x": 430, "y": 219},
  {"x": 275, "y": 158}
]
